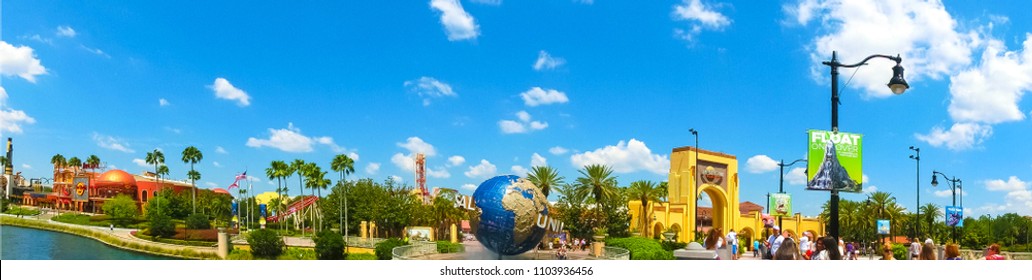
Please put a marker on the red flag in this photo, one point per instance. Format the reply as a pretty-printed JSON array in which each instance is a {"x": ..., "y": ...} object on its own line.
[{"x": 231, "y": 186}]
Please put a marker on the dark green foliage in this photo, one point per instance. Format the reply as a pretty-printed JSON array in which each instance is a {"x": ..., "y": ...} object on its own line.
[
  {"x": 362, "y": 257},
  {"x": 641, "y": 248},
  {"x": 18, "y": 211},
  {"x": 265, "y": 244},
  {"x": 198, "y": 221},
  {"x": 445, "y": 247},
  {"x": 329, "y": 245},
  {"x": 384, "y": 249},
  {"x": 671, "y": 246},
  {"x": 121, "y": 209},
  {"x": 899, "y": 251},
  {"x": 161, "y": 224}
]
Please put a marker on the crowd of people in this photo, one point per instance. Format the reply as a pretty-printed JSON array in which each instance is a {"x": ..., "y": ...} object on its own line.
[{"x": 782, "y": 245}]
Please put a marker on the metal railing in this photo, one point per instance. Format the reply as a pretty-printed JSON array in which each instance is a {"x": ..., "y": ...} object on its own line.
[
  {"x": 370, "y": 243},
  {"x": 615, "y": 253},
  {"x": 414, "y": 251}
]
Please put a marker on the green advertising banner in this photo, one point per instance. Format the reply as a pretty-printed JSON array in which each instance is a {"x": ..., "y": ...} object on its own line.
[
  {"x": 780, "y": 204},
  {"x": 834, "y": 161}
]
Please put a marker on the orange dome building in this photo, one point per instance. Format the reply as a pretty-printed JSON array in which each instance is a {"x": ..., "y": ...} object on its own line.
[{"x": 89, "y": 190}]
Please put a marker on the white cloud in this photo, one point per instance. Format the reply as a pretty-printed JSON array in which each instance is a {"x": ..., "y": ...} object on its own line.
[
  {"x": 1012, "y": 184},
  {"x": 163, "y": 102},
  {"x": 921, "y": 31},
  {"x": 372, "y": 168},
  {"x": 174, "y": 130},
  {"x": 65, "y": 31},
  {"x": 224, "y": 90},
  {"x": 483, "y": 170},
  {"x": 397, "y": 179},
  {"x": 403, "y": 162},
  {"x": 459, "y": 24},
  {"x": 438, "y": 173},
  {"x": 870, "y": 189},
  {"x": 625, "y": 157},
  {"x": 95, "y": 51},
  {"x": 864, "y": 179},
  {"x": 989, "y": 93},
  {"x": 456, "y": 160},
  {"x": 471, "y": 187},
  {"x": 961, "y": 136},
  {"x": 26, "y": 166},
  {"x": 761, "y": 164},
  {"x": 216, "y": 164},
  {"x": 111, "y": 143},
  {"x": 701, "y": 16},
  {"x": 537, "y": 96},
  {"x": 538, "y": 160},
  {"x": 413, "y": 145},
  {"x": 796, "y": 176},
  {"x": 519, "y": 170},
  {"x": 427, "y": 88},
  {"x": 523, "y": 125},
  {"x": 943, "y": 193},
  {"x": 220, "y": 150},
  {"x": 211, "y": 185},
  {"x": 557, "y": 150},
  {"x": 291, "y": 140},
  {"x": 1018, "y": 197},
  {"x": 20, "y": 61},
  {"x": 546, "y": 61},
  {"x": 141, "y": 163},
  {"x": 11, "y": 120}
]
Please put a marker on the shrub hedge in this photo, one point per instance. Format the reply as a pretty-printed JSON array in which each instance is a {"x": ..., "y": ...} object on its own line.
[
  {"x": 642, "y": 248},
  {"x": 445, "y": 247},
  {"x": 265, "y": 244},
  {"x": 329, "y": 245},
  {"x": 384, "y": 249},
  {"x": 198, "y": 221}
]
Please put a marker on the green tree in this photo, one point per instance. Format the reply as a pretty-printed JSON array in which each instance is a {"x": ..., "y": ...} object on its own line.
[
  {"x": 59, "y": 163},
  {"x": 545, "y": 177},
  {"x": 598, "y": 180},
  {"x": 121, "y": 209},
  {"x": 93, "y": 161},
  {"x": 197, "y": 221},
  {"x": 329, "y": 245},
  {"x": 161, "y": 224},
  {"x": 317, "y": 182},
  {"x": 344, "y": 165},
  {"x": 278, "y": 170},
  {"x": 645, "y": 192},
  {"x": 929, "y": 214},
  {"x": 300, "y": 167},
  {"x": 76, "y": 164},
  {"x": 192, "y": 155},
  {"x": 265, "y": 244}
]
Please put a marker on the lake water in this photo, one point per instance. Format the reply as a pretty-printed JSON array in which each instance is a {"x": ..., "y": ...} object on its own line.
[{"x": 32, "y": 244}]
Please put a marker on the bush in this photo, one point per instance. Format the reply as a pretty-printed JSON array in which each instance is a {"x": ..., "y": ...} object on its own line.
[
  {"x": 18, "y": 211},
  {"x": 121, "y": 209},
  {"x": 899, "y": 251},
  {"x": 265, "y": 244},
  {"x": 329, "y": 245},
  {"x": 294, "y": 253},
  {"x": 445, "y": 247},
  {"x": 642, "y": 248},
  {"x": 671, "y": 246},
  {"x": 384, "y": 249},
  {"x": 161, "y": 226},
  {"x": 198, "y": 221}
]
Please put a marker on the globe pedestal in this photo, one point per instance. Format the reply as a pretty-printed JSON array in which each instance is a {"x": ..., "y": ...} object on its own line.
[{"x": 597, "y": 248}]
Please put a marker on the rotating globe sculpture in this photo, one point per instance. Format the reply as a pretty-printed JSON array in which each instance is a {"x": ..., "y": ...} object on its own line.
[{"x": 509, "y": 209}]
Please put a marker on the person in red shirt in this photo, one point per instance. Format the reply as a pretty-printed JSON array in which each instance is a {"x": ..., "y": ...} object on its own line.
[{"x": 994, "y": 253}]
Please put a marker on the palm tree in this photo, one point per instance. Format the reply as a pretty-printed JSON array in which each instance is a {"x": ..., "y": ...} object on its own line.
[
  {"x": 545, "y": 177},
  {"x": 344, "y": 165},
  {"x": 76, "y": 164},
  {"x": 93, "y": 161},
  {"x": 156, "y": 158},
  {"x": 192, "y": 156},
  {"x": 300, "y": 167},
  {"x": 646, "y": 192},
  {"x": 59, "y": 163},
  {"x": 598, "y": 180},
  {"x": 318, "y": 181},
  {"x": 930, "y": 212},
  {"x": 278, "y": 170}
]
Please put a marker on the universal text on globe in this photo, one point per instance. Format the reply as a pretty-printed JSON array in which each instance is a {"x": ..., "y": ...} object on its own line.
[{"x": 543, "y": 221}]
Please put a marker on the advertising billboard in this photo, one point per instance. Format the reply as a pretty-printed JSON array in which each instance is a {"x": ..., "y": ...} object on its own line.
[
  {"x": 834, "y": 161},
  {"x": 81, "y": 189},
  {"x": 780, "y": 204},
  {"x": 954, "y": 216},
  {"x": 883, "y": 227}
]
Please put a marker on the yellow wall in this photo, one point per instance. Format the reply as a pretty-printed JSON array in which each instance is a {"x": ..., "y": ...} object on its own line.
[{"x": 682, "y": 194}]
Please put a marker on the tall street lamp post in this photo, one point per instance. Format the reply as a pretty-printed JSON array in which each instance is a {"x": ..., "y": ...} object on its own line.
[
  {"x": 897, "y": 84},
  {"x": 698, "y": 225},
  {"x": 953, "y": 188},
  {"x": 781, "y": 182},
  {"x": 917, "y": 217}
]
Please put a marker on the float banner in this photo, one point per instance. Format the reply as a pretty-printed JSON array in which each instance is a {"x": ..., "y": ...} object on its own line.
[
  {"x": 262, "y": 215},
  {"x": 954, "y": 216},
  {"x": 883, "y": 226},
  {"x": 81, "y": 189},
  {"x": 780, "y": 204},
  {"x": 234, "y": 207},
  {"x": 834, "y": 161}
]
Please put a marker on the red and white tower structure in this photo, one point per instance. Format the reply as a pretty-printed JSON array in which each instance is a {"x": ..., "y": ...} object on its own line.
[{"x": 421, "y": 178}]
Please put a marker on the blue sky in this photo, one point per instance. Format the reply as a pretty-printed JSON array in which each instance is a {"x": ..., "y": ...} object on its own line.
[{"x": 494, "y": 87}]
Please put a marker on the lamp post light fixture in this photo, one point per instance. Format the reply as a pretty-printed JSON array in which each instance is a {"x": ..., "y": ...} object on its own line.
[
  {"x": 897, "y": 84},
  {"x": 953, "y": 189},
  {"x": 698, "y": 225},
  {"x": 917, "y": 217},
  {"x": 781, "y": 183}
]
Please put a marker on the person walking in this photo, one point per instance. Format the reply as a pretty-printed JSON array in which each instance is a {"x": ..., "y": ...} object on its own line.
[
  {"x": 756, "y": 248},
  {"x": 732, "y": 239},
  {"x": 915, "y": 249}
]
